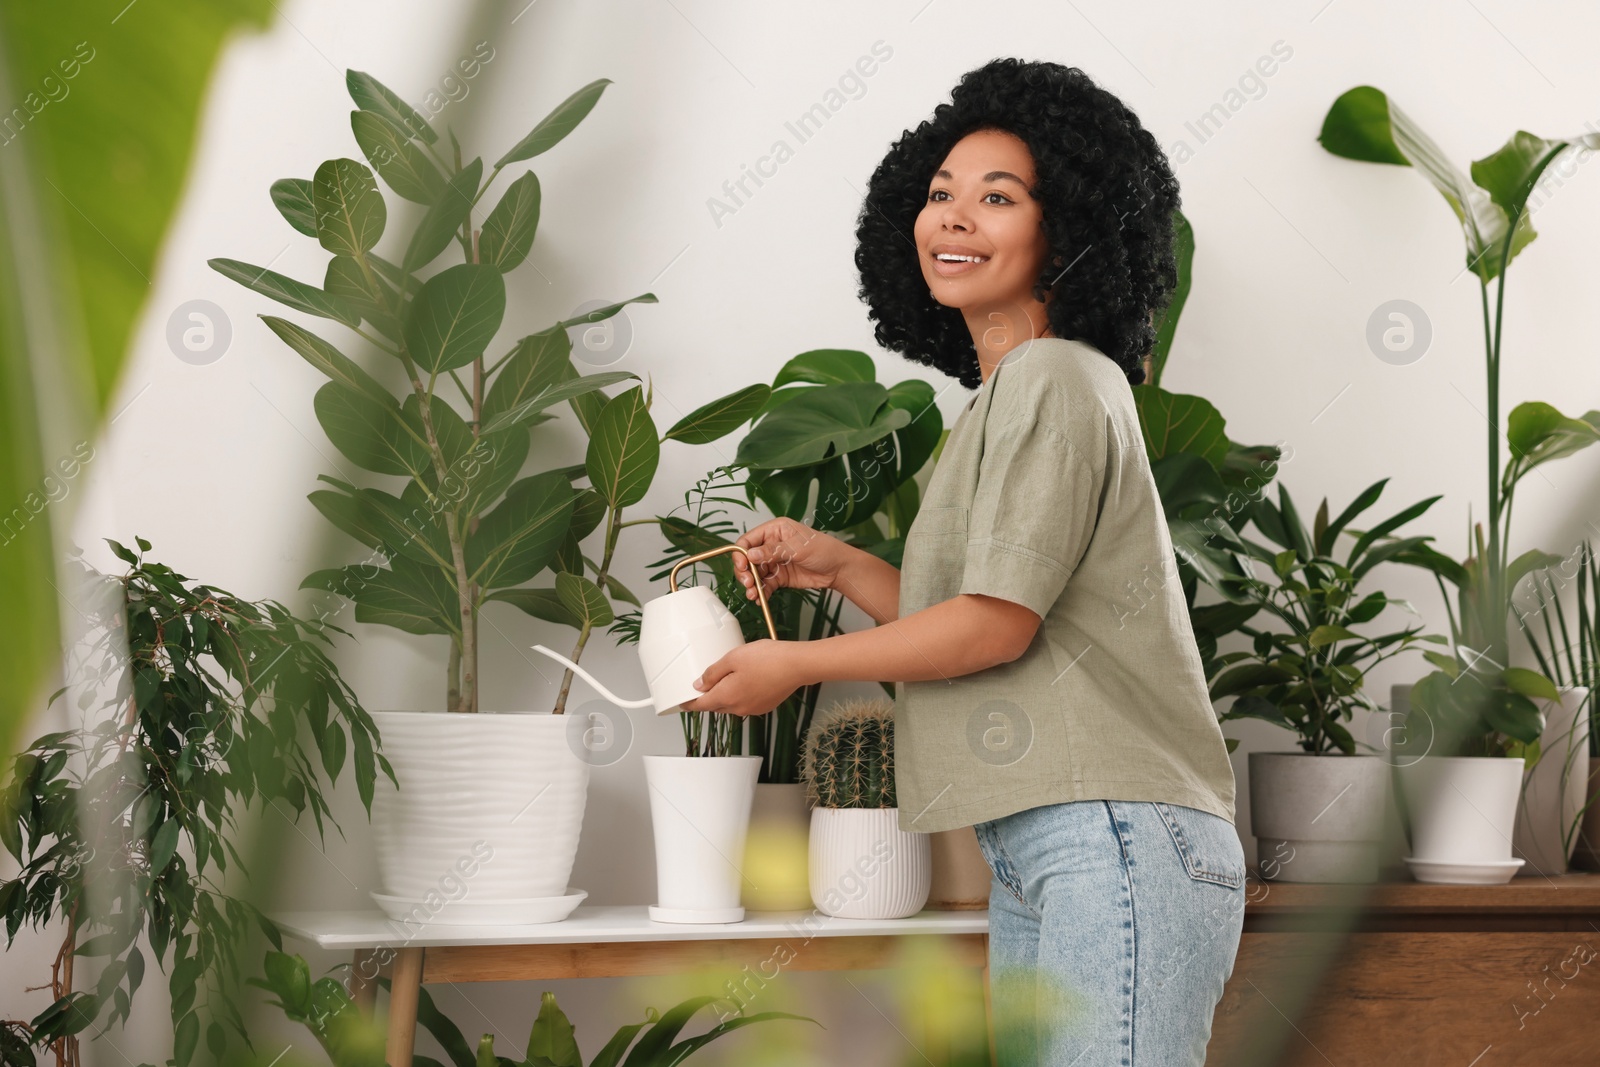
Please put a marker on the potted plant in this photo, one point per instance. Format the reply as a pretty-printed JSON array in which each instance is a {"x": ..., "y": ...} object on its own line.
[
  {"x": 1558, "y": 819},
  {"x": 863, "y": 866},
  {"x": 1478, "y": 706},
  {"x": 125, "y": 828},
  {"x": 352, "y": 1040},
  {"x": 467, "y": 527},
  {"x": 1323, "y": 806}
]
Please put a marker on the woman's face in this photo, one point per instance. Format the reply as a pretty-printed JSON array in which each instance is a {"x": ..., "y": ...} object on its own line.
[{"x": 978, "y": 206}]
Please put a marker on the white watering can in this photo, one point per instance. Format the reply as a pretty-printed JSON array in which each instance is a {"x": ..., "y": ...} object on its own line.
[{"x": 680, "y": 635}]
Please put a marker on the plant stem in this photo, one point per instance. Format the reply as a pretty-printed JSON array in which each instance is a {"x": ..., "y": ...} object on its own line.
[{"x": 613, "y": 527}]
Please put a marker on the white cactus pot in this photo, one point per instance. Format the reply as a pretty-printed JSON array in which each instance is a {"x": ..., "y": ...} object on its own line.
[
  {"x": 484, "y": 826},
  {"x": 863, "y": 866}
]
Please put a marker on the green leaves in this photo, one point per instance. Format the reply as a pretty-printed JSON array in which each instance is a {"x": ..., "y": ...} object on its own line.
[
  {"x": 446, "y": 217},
  {"x": 402, "y": 165},
  {"x": 1176, "y": 422},
  {"x": 623, "y": 450},
  {"x": 350, "y": 212},
  {"x": 455, "y": 316},
  {"x": 415, "y": 597},
  {"x": 549, "y": 396},
  {"x": 372, "y": 95},
  {"x": 583, "y": 600},
  {"x": 1538, "y": 433},
  {"x": 552, "y": 1036},
  {"x": 721, "y": 417},
  {"x": 519, "y": 538},
  {"x": 556, "y": 125},
  {"x": 298, "y": 295},
  {"x": 293, "y": 199},
  {"x": 508, "y": 232},
  {"x": 370, "y": 431},
  {"x": 821, "y": 423},
  {"x": 327, "y": 359}
]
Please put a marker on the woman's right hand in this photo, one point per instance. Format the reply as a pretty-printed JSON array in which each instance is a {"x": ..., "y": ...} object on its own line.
[{"x": 785, "y": 552}]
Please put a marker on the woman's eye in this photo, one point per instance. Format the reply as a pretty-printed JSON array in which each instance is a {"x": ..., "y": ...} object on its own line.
[{"x": 937, "y": 193}]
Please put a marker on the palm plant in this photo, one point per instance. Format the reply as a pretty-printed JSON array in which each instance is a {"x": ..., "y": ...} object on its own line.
[{"x": 1309, "y": 678}]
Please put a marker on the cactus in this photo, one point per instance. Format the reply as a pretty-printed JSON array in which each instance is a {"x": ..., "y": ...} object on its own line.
[{"x": 850, "y": 760}]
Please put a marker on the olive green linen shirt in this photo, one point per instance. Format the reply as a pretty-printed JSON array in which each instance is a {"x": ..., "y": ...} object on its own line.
[{"x": 1043, "y": 496}]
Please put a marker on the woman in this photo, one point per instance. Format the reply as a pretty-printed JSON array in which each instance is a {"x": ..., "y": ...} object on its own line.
[{"x": 1020, "y": 241}]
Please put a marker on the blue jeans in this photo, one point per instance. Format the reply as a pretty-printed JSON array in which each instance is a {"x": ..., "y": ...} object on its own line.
[{"x": 1113, "y": 925}]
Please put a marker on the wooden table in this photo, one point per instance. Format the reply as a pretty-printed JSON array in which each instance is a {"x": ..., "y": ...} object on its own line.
[
  {"x": 1392, "y": 973},
  {"x": 613, "y": 942},
  {"x": 1415, "y": 974}
]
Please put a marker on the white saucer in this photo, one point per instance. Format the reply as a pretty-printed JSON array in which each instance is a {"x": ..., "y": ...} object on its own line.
[
  {"x": 1444, "y": 872},
  {"x": 695, "y": 915},
  {"x": 470, "y": 912}
]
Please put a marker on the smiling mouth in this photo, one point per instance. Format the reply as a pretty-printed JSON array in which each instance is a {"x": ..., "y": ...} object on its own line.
[{"x": 948, "y": 266}]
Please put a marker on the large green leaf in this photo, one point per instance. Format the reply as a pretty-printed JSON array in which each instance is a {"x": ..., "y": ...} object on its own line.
[
  {"x": 364, "y": 291},
  {"x": 414, "y": 597},
  {"x": 294, "y": 199},
  {"x": 721, "y": 417},
  {"x": 572, "y": 388},
  {"x": 556, "y": 125},
  {"x": 350, "y": 210},
  {"x": 91, "y": 181},
  {"x": 382, "y": 520},
  {"x": 444, "y": 217},
  {"x": 583, "y": 599},
  {"x": 1364, "y": 124},
  {"x": 518, "y": 539},
  {"x": 623, "y": 449},
  {"x": 540, "y": 603},
  {"x": 552, "y": 1036},
  {"x": 403, "y": 166},
  {"x": 327, "y": 359},
  {"x": 1167, "y": 328},
  {"x": 1510, "y": 172},
  {"x": 827, "y": 366},
  {"x": 1177, "y": 422},
  {"x": 508, "y": 231},
  {"x": 825, "y": 421},
  {"x": 284, "y": 290},
  {"x": 455, "y": 316},
  {"x": 372, "y": 95},
  {"x": 1538, "y": 433},
  {"x": 370, "y": 431}
]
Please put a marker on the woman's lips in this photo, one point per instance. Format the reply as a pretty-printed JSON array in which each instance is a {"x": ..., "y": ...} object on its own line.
[{"x": 951, "y": 270}]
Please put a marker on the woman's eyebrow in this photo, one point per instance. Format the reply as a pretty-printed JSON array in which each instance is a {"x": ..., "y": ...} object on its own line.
[{"x": 992, "y": 176}]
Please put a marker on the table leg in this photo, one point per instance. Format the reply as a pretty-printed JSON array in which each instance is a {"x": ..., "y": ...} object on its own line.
[
  {"x": 988, "y": 1003},
  {"x": 405, "y": 983},
  {"x": 363, "y": 980}
]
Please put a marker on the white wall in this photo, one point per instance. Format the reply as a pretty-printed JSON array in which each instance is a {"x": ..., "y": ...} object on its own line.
[{"x": 1295, "y": 250}]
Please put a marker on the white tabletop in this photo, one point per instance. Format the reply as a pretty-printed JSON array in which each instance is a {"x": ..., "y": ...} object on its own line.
[{"x": 592, "y": 924}]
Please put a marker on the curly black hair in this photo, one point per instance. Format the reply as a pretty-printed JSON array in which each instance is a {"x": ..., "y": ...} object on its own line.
[{"x": 1108, "y": 196}]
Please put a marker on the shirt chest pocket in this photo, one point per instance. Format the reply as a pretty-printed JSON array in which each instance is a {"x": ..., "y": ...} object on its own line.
[{"x": 934, "y": 560}]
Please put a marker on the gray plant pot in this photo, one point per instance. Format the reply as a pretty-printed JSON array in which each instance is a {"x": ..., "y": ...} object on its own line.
[{"x": 1317, "y": 818}]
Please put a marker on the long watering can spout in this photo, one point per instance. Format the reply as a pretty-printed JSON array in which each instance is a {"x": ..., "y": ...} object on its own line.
[{"x": 586, "y": 676}]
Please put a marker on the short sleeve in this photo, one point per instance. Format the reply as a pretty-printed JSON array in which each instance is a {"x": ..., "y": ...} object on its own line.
[{"x": 1034, "y": 511}]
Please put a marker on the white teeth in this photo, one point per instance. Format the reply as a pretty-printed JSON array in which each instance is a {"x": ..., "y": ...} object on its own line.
[{"x": 946, "y": 257}]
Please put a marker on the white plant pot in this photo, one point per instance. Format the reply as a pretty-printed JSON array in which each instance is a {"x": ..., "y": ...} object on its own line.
[
  {"x": 484, "y": 827},
  {"x": 1462, "y": 808},
  {"x": 700, "y": 812},
  {"x": 1317, "y": 818},
  {"x": 863, "y": 866},
  {"x": 1554, "y": 792}
]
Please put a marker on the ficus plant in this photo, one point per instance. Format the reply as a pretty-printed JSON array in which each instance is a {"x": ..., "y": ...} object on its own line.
[
  {"x": 1479, "y": 704},
  {"x": 125, "y": 828},
  {"x": 467, "y": 526}
]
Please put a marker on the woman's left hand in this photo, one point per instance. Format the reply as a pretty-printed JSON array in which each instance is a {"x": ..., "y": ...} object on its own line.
[{"x": 753, "y": 679}]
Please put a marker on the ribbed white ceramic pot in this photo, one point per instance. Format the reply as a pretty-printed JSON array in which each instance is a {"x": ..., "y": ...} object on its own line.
[
  {"x": 506, "y": 790},
  {"x": 863, "y": 866}
]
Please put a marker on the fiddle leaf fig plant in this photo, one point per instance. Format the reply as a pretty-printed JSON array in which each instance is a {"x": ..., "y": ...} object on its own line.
[
  {"x": 1478, "y": 703},
  {"x": 467, "y": 525}
]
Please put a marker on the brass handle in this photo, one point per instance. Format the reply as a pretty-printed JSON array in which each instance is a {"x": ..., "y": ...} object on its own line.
[{"x": 761, "y": 593}]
